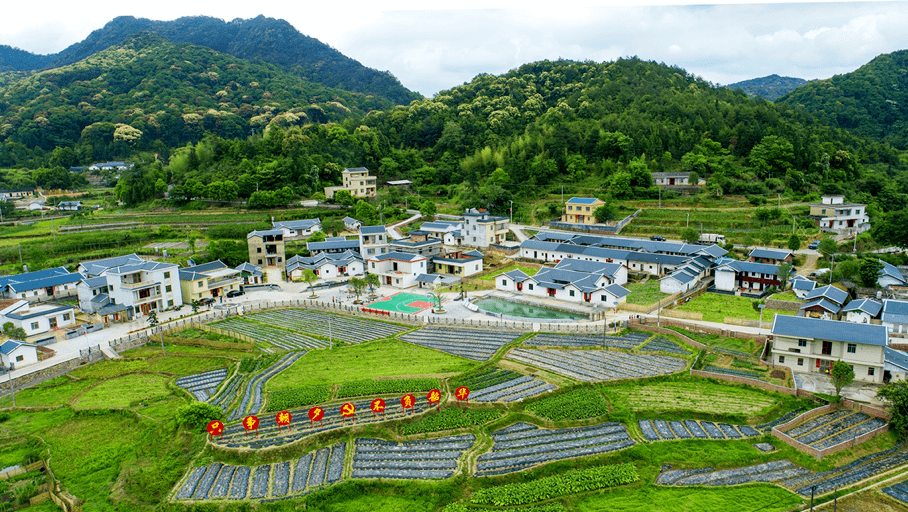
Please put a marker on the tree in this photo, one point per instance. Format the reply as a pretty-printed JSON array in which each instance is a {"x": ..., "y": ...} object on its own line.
[
  {"x": 766, "y": 236},
  {"x": 13, "y": 332},
  {"x": 195, "y": 304},
  {"x": 896, "y": 393},
  {"x": 344, "y": 197},
  {"x": 359, "y": 286},
  {"x": 794, "y": 242},
  {"x": 784, "y": 274},
  {"x": 436, "y": 296},
  {"x": 828, "y": 247},
  {"x": 153, "y": 319},
  {"x": 197, "y": 415},
  {"x": 690, "y": 235},
  {"x": 605, "y": 213},
  {"x": 427, "y": 209},
  {"x": 7, "y": 209},
  {"x": 869, "y": 272},
  {"x": 841, "y": 375},
  {"x": 373, "y": 282},
  {"x": 310, "y": 278}
]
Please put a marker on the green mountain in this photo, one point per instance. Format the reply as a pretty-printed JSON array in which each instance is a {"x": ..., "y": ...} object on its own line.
[
  {"x": 266, "y": 39},
  {"x": 871, "y": 101},
  {"x": 768, "y": 87},
  {"x": 150, "y": 93}
]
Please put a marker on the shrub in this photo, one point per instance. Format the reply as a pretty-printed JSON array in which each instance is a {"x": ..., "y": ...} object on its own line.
[{"x": 196, "y": 415}]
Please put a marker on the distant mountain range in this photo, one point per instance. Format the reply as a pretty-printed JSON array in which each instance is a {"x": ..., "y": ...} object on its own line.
[
  {"x": 267, "y": 39},
  {"x": 769, "y": 87}
]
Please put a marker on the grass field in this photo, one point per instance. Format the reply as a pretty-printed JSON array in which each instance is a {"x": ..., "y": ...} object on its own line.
[
  {"x": 154, "y": 362},
  {"x": 47, "y": 395},
  {"x": 698, "y": 396},
  {"x": 714, "y": 340},
  {"x": 786, "y": 296},
  {"x": 764, "y": 498},
  {"x": 123, "y": 391},
  {"x": 645, "y": 293},
  {"x": 716, "y": 307},
  {"x": 367, "y": 361}
]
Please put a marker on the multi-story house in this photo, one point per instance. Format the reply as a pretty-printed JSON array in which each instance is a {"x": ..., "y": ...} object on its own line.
[
  {"x": 266, "y": 248},
  {"x": 482, "y": 230},
  {"x": 835, "y": 215},
  {"x": 580, "y": 210},
  {"x": 357, "y": 181},
  {"x": 733, "y": 275},
  {"x": 209, "y": 280},
  {"x": 812, "y": 345},
  {"x": 128, "y": 285},
  {"x": 397, "y": 269},
  {"x": 373, "y": 240}
]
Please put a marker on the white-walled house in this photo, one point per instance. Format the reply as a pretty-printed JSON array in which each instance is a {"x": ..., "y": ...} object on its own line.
[
  {"x": 139, "y": 285},
  {"x": 298, "y": 228},
  {"x": 890, "y": 276},
  {"x": 732, "y": 275},
  {"x": 895, "y": 316},
  {"x": 862, "y": 311},
  {"x": 373, "y": 240},
  {"x": 37, "y": 320},
  {"x": 397, "y": 269},
  {"x": 326, "y": 266},
  {"x": 40, "y": 285},
  {"x": 16, "y": 354},
  {"x": 801, "y": 286},
  {"x": 571, "y": 280}
]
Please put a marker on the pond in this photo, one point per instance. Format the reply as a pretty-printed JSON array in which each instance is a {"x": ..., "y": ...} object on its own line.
[{"x": 526, "y": 311}]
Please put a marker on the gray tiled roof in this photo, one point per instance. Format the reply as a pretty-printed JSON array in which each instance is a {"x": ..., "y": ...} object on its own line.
[
  {"x": 372, "y": 230},
  {"x": 891, "y": 271},
  {"x": 823, "y": 303},
  {"x": 897, "y": 358},
  {"x": 895, "y": 311},
  {"x": 869, "y": 306},
  {"x": 769, "y": 253},
  {"x": 830, "y": 292},
  {"x": 833, "y": 330}
]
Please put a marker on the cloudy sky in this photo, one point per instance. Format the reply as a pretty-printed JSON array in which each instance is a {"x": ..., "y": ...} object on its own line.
[{"x": 431, "y": 49}]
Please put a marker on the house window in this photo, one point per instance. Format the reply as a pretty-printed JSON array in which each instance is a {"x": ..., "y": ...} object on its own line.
[
  {"x": 166, "y": 275},
  {"x": 258, "y": 250},
  {"x": 200, "y": 283},
  {"x": 871, "y": 371},
  {"x": 781, "y": 359},
  {"x": 852, "y": 348},
  {"x": 19, "y": 359},
  {"x": 168, "y": 288},
  {"x": 531, "y": 286},
  {"x": 800, "y": 361},
  {"x": 170, "y": 303},
  {"x": 802, "y": 343},
  {"x": 34, "y": 325},
  {"x": 504, "y": 282},
  {"x": 65, "y": 317},
  {"x": 373, "y": 264},
  {"x": 571, "y": 293}
]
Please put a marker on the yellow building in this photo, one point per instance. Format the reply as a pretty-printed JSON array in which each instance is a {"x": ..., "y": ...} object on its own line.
[
  {"x": 210, "y": 280},
  {"x": 579, "y": 210},
  {"x": 357, "y": 181}
]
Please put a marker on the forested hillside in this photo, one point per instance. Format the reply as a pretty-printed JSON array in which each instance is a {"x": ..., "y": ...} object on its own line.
[
  {"x": 872, "y": 100},
  {"x": 266, "y": 39},
  {"x": 768, "y": 87},
  {"x": 151, "y": 94}
]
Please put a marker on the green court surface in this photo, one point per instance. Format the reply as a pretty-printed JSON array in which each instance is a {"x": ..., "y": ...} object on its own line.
[{"x": 402, "y": 302}]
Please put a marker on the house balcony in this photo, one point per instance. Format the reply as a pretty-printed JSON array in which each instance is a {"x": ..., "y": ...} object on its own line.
[
  {"x": 222, "y": 283},
  {"x": 138, "y": 285}
]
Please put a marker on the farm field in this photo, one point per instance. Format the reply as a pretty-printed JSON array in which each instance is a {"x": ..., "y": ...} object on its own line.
[
  {"x": 691, "y": 395},
  {"x": 55, "y": 392},
  {"x": 390, "y": 358},
  {"x": 121, "y": 392},
  {"x": 716, "y": 307}
]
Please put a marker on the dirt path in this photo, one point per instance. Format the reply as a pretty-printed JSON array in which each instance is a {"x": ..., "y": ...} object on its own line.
[{"x": 809, "y": 265}]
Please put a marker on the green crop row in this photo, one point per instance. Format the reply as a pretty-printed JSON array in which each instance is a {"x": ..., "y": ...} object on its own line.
[
  {"x": 548, "y": 507},
  {"x": 381, "y": 387},
  {"x": 256, "y": 364},
  {"x": 284, "y": 399},
  {"x": 565, "y": 484},
  {"x": 451, "y": 418},
  {"x": 486, "y": 378},
  {"x": 575, "y": 405}
]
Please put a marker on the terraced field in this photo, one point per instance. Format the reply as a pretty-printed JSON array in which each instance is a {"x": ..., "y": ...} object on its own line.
[
  {"x": 420, "y": 460},
  {"x": 251, "y": 400},
  {"x": 833, "y": 428},
  {"x": 346, "y": 328},
  {"x": 597, "y": 365},
  {"x": 627, "y": 341},
  {"x": 522, "y": 446},
  {"x": 775, "y": 471},
  {"x": 659, "y": 430},
  {"x": 267, "y": 482},
  {"x": 898, "y": 491},
  {"x": 202, "y": 385},
  {"x": 472, "y": 344},
  {"x": 282, "y": 338},
  {"x": 690, "y": 396}
]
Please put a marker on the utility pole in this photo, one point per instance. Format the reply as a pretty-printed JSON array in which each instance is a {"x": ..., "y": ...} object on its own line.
[
  {"x": 20, "y": 255},
  {"x": 688, "y": 220},
  {"x": 53, "y": 228},
  {"x": 512, "y": 211}
]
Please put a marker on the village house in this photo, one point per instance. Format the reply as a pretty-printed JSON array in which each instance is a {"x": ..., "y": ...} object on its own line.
[
  {"x": 121, "y": 287},
  {"x": 250, "y": 273},
  {"x": 862, "y": 311},
  {"x": 571, "y": 280},
  {"x": 890, "y": 276},
  {"x": 480, "y": 229},
  {"x": 733, "y": 275},
  {"x": 770, "y": 256},
  {"x": 326, "y": 265},
  {"x": 39, "y": 321},
  {"x": 460, "y": 264},
  {"x": 333, "y": 245},
  {"x": 895, "y": 316},
  {"x": 40, "y": 285},
  {"x": 294, "y": 229},
  {"x": 16, "y": 354},
  {"x": 581, "y": 210},
  {"x": 208, "y": 280},
  {"x": 834, "y": 215},
  {"x": 357, "y": 181},
  {"x": 266, "y": 248},
  {"x": 824, "y": 302},
  {"x": 397, "y": 269},
  {"x": 672, "y": 179}
]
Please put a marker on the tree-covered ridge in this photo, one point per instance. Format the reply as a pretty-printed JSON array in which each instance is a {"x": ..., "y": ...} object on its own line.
[
  {"x": 871, "y": 101},
  {"x": 260, "y": 39},
  {"x": 768, "y": 87},
  {"x": 149, "y": 93}
]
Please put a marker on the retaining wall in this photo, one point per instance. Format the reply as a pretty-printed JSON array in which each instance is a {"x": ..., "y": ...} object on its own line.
[
  {"x": 704, "y": 329},
  {"x": 780, "y": 431},
  {"x": 744, "y": 380},
  {"x": 784, "y": 305}
]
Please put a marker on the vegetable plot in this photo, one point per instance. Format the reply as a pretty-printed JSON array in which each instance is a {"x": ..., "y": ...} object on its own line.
[
  {"x": 427, "y": 459},
  {"x": 284, "y": 399},
  {"x": 449, "y": 419},
  {"x": 384, "y": 387},
  {"x": 569, "y": 483},
  {"x": 578, "y": 404}
]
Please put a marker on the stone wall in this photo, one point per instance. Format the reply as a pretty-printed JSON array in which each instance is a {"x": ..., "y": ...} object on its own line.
[{"x": 784, "y": 305}]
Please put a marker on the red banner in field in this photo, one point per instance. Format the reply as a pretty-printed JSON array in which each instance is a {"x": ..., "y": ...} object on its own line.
[
  {"x": 348, "y": 410},
  {"x": 377, "y": 406},
  {"x": 434, "y": 397},
  {"x": 462, "y": 394},
  {"x": 251, "y": 422},
  {"x": 215, "y": 428},
  {"x": 407, "y": 402},
  {"x": 316, "y": 414},
  {"x": 283, "y": 419}
]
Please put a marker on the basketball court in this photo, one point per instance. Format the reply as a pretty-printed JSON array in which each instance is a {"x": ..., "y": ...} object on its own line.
[{"x": 403, "y": 302}]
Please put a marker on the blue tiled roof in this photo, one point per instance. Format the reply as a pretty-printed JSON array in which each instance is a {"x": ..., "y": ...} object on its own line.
[
  {"x": 803, "y": 284},
  {"x": 889, "y": 270},
  {"x": 769, "y": 253},
  {"x": 10, "y": 345},
  {"x": 428, "y": 278},
  {"x": 397, "y": 255},
  {"x": 869, "y": 306},
  {"x": 516, "y": 275},
  {"x": 833, "y": 330},
  {"x": 582, "y": 200},
  {"x": 333, "y": 244},
  {"x": 617, "y": 290},
  {"x": 372, "y": 230},
  {"x": 897, "y": 358},
  {"x": 830, "y": 292},
  {"x": 29, "y": 276},
  {"x": 45, "y": 282},
  {"x": 895, "y": 311},
  {"x": 823, "y": 303}
]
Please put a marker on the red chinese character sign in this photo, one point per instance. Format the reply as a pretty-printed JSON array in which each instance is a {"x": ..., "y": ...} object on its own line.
[
  {"x": 407, "y": 402},
  {"x": 316, "y": 414},
  {"x": 283, "y": 420},
  {"x": 251, "y": 423},
  {"x": 434, "y": 397},
  {"x": 462, "y": 394},
  {"x": 215, "y": 428},
  {"x": 377, "y": 406},
  {"x": 348, "y": 410}
]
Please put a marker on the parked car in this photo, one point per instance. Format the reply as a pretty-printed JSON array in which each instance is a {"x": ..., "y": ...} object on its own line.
[
  {"x": 234, "y": 293},
  {"x": 657, "y": 238},
  {"x": 813, "y": 245},
  {"x": 207, "y": 301},
  {"x": 819, "y": 272}
]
